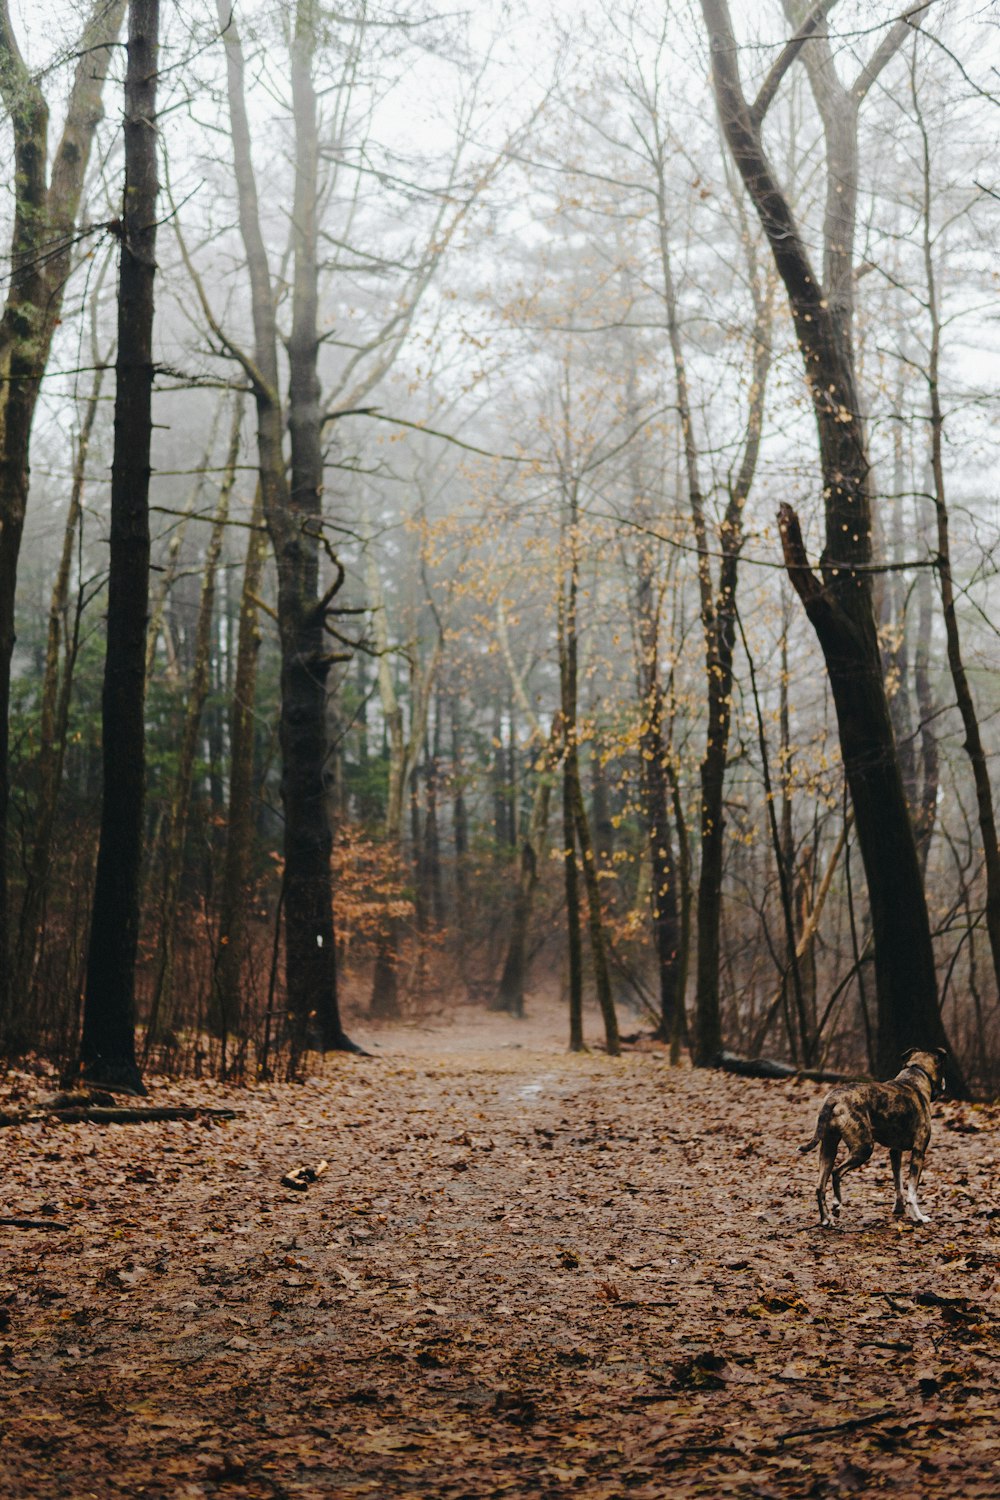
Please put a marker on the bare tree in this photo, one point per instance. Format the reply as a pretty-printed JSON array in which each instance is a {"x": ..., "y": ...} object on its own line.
[
  {"x": 107, "y": 1048},
  {"x": 839, "y": 602},
  {"x": 46, "y": 210}
]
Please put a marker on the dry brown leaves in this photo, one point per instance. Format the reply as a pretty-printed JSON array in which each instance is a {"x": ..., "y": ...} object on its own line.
[{"x": 524, "y": 1274}]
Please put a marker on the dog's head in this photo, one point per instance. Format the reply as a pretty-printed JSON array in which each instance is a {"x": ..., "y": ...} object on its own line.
[{"x": 931, "y": 1063}]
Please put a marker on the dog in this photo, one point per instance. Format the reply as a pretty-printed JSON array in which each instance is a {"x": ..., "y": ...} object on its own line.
[{"x": 896, "y": 1114}]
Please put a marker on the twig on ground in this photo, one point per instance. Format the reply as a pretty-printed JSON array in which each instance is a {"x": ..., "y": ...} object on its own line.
[{"x": 848, "y": 1425}]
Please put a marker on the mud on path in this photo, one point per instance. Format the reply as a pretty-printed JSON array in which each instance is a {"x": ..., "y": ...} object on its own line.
[{"x": 525, "y": 1274}]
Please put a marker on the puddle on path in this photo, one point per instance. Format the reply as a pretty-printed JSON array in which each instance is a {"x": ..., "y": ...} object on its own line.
[{"x": 530, "y": 1093}]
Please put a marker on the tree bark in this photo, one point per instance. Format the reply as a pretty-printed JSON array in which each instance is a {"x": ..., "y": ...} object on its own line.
[{"x": 107, "y": 1048}]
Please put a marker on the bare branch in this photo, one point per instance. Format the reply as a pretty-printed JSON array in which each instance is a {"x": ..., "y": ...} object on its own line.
[{"x": 784, "y": 60}]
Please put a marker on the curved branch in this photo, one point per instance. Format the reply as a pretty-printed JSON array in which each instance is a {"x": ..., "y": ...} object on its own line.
[{"x": 784, "y": 60}]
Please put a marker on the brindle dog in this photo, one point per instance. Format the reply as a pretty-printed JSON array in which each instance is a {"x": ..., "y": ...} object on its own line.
[{"x": 896, "y": 1114}]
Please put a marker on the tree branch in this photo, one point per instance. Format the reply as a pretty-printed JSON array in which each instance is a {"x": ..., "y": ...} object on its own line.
[
  {"x": 784, "y": 60},
  {"x": 890, "y": 44},
  {"x": 801, "y": 575}
]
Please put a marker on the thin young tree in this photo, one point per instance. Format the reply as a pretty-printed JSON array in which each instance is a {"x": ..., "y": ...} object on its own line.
[{"x": 956, "y": 663}]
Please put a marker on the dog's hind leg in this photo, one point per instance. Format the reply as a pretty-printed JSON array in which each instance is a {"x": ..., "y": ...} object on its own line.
[
  {"x": 899, "y": 1207},
  {"x": 857, "y": 1158},
  {"x": 828, "y": 1155},
  {"x": 913, "y": 1180}
]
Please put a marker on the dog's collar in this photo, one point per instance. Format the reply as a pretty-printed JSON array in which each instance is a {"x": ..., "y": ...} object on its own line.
[{"x": 916, "y": 1068}]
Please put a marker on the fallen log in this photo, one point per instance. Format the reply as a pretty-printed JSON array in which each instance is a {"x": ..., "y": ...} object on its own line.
[
  {"x": 74, "y": 1098},
  {"x": 117, "y": 1114},
  {"x": 18, "y": 1223},
  {"x": 770, "y": 1067}
]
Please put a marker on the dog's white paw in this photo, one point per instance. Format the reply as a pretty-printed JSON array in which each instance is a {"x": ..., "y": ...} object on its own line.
[{"x": 916, "y": 1217}]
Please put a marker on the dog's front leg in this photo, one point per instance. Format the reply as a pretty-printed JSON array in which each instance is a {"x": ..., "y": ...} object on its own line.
[
  {"x": 913, "y": 1180},
  {"x": 896, "y": 1157}
]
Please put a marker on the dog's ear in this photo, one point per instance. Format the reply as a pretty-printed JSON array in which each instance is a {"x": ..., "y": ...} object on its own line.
[
  {"x": 941, "y": 1053},
  {"x": 909, "y": 1053}
]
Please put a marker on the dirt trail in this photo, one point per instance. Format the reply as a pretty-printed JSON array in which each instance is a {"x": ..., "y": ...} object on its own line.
[{"x": 525, "y": 1274}]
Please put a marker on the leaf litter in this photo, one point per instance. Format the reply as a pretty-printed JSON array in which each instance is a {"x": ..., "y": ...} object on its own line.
[{"x": 521, "y": 1273}]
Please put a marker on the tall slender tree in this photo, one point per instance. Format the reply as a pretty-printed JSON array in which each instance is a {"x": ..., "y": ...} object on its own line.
[
  {"x": 292, "y": 509},
  {"x": 46, "y": 212},
  {"x": 107, "y": 1048},
  {"x": 838, "y": 601}
]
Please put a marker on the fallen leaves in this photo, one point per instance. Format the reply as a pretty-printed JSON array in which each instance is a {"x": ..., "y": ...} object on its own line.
[{"x": 520, "y": 1275}]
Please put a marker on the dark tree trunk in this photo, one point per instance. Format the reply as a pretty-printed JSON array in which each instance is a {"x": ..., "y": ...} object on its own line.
[
  {"x": 510, "y": 991},
  {"x": 459, "y": 815},
  {"x": 571, "y": 876},
  {"x": 604, "y": 828},
  {"x": 293, "y": 514},
  {"x": 432, "y": 836},
  {"x": 42, "y": 244},
  {"x": 839, "y": 602},
  {"x": 930, "y": 759},
  {"x": 384, "y": 1003},
  {"x": 107, "y": 1048},
  {"x": 310, "y": 949}
]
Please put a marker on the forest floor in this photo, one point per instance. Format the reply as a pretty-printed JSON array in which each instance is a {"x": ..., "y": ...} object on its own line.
[{"x": 525, "y": 1274}]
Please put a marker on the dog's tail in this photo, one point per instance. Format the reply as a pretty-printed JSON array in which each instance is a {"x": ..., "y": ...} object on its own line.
[{"x": 825, "y": 1115}]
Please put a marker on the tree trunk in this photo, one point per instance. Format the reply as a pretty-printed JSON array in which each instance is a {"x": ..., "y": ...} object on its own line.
[
  {"x": 41, "y": 249},
  {"x": 930, "y": 759},
  {"x": 60, "y": 660},
  {"x": 510, "y": 991},
  {"x": 432, "y": 836},
  {"x": 226, "y": 1002},
  {"x": 175, "y": 841},
  {"x": 573, "y": 790},
  {"x": 963, "y": 692},
  {"x": 839, "y": 602},
  {"x": 404, "y": 749},
  {"x": 293, "y": 515},
  {"x": 656, "y": 809},
  {"x": 571, "y": 876},
  {"x": 107, "y": 1048},
  {"x": 718, "y": 607}
]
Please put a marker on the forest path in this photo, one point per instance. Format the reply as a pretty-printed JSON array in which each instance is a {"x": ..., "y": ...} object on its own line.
[{"x": 525, "y": 1274}]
